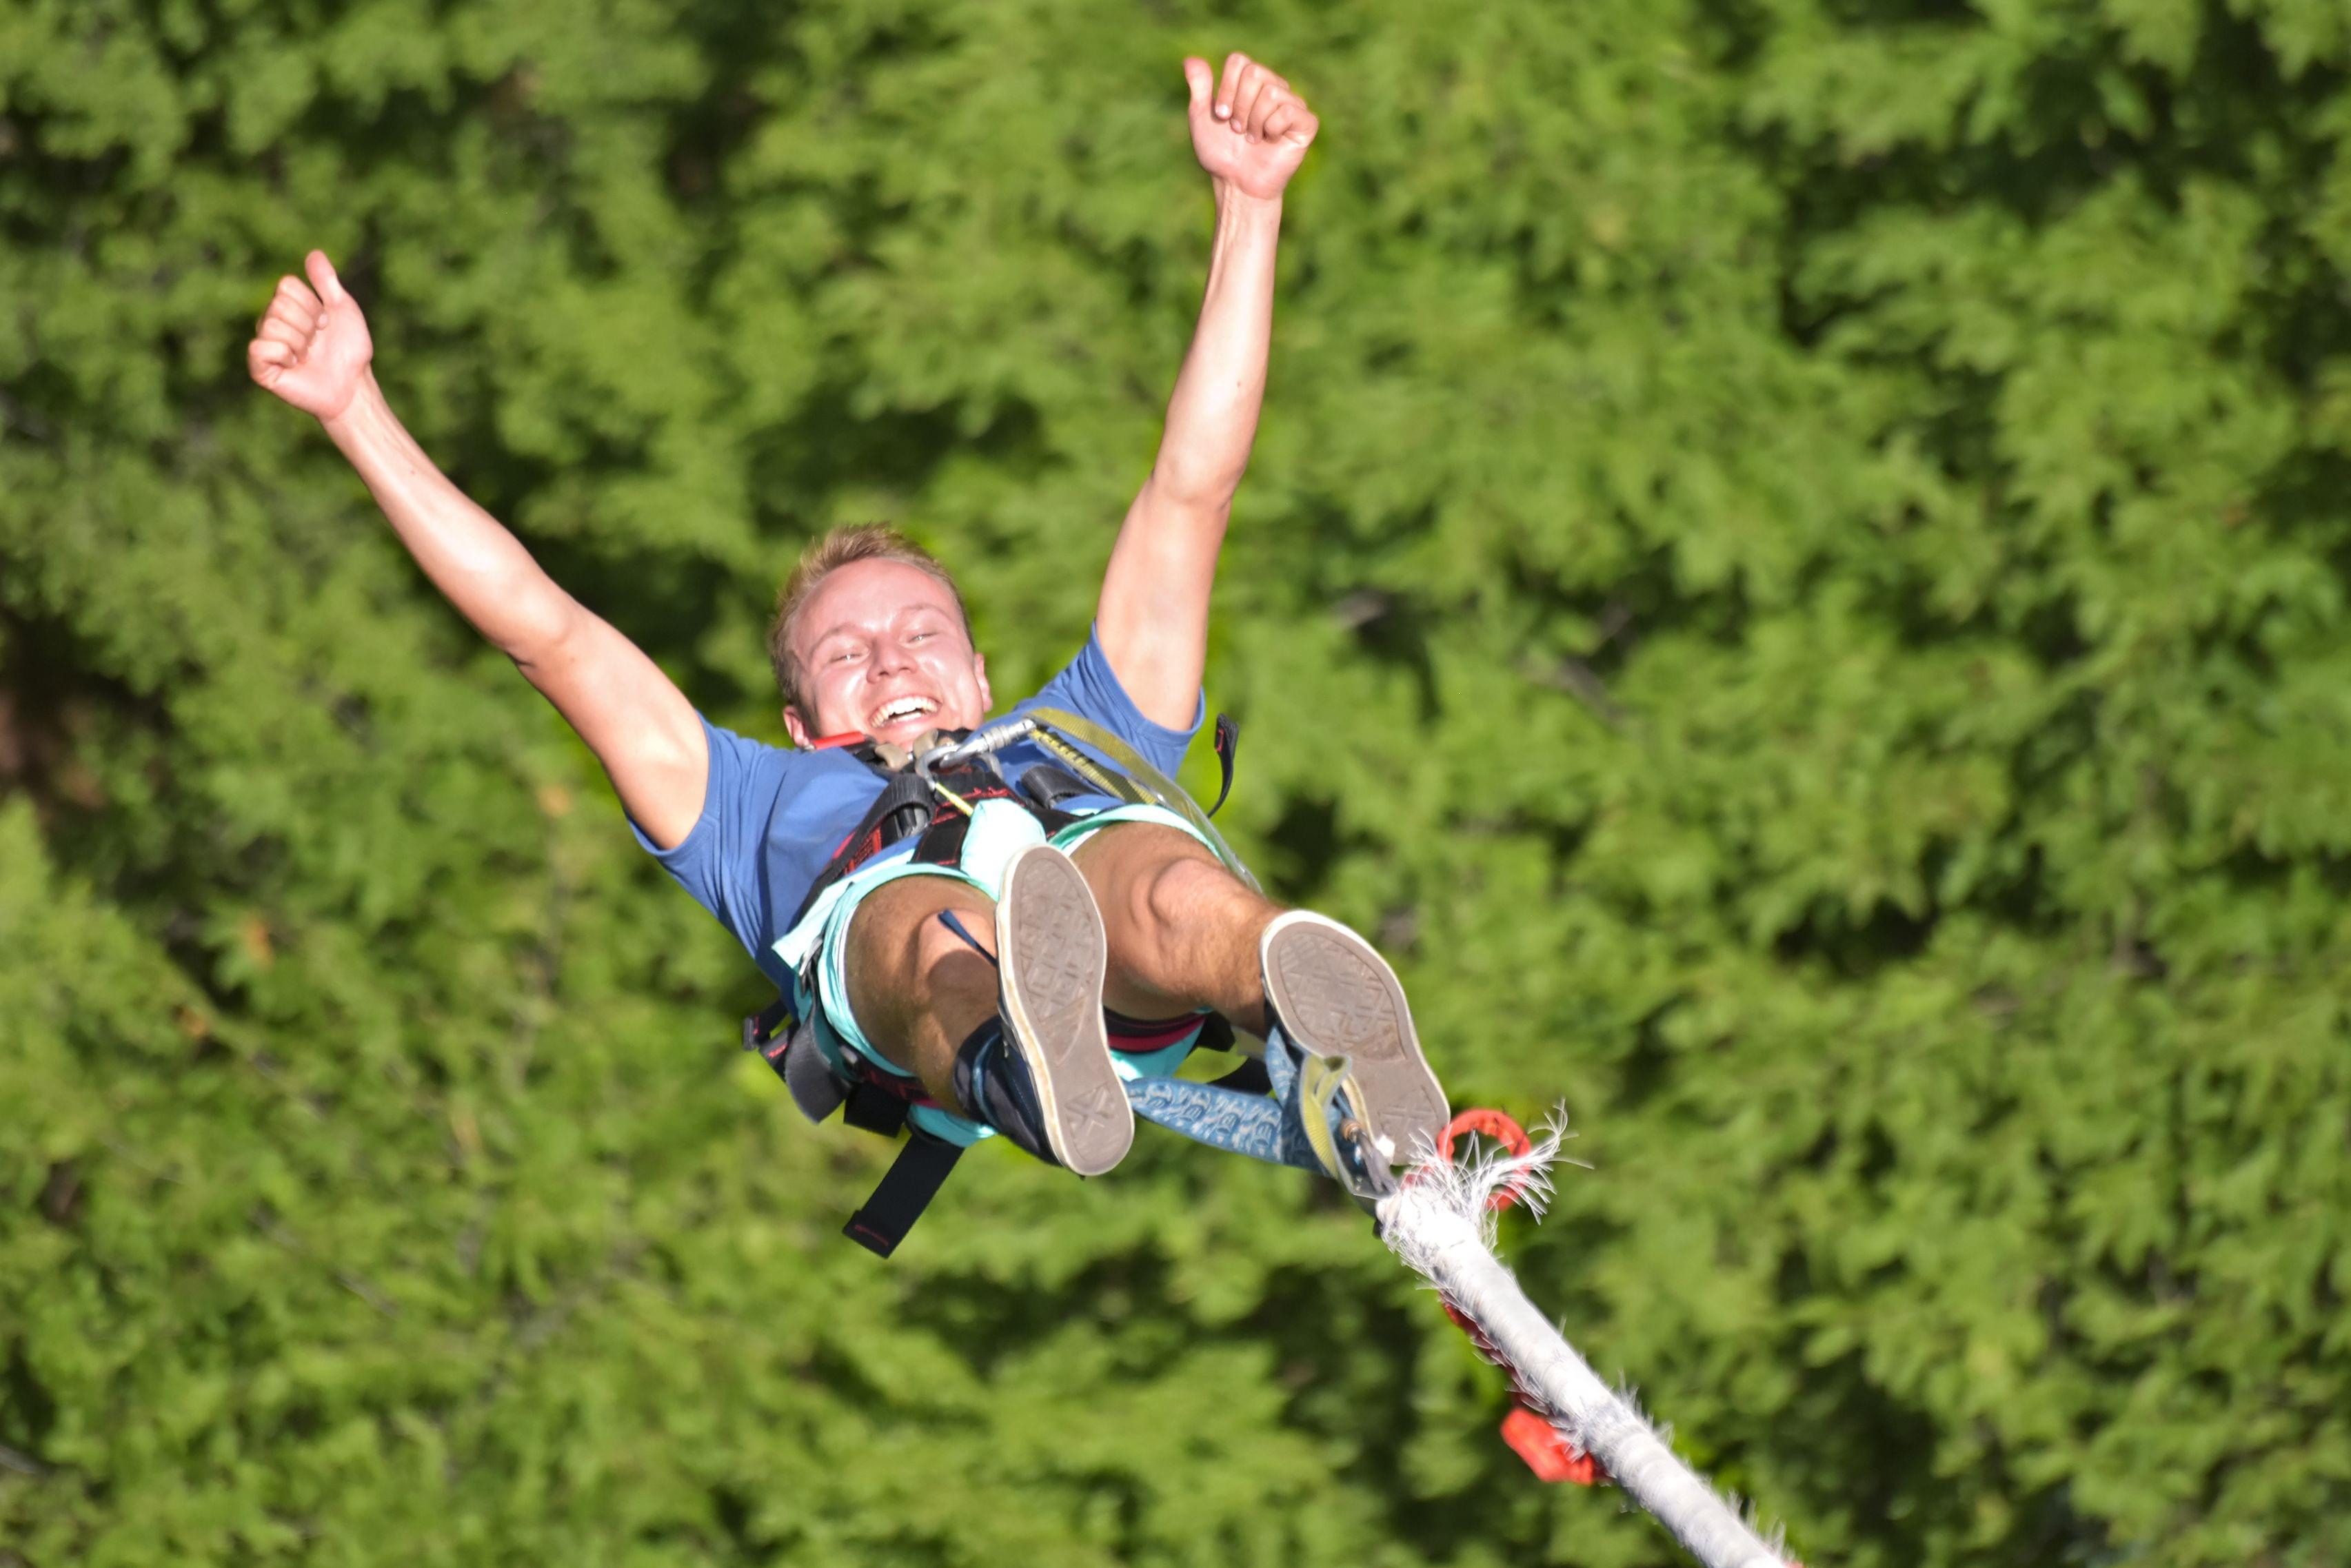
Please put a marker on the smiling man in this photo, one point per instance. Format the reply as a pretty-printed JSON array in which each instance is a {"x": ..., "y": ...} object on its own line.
[{"x": 1062, "y": 924}]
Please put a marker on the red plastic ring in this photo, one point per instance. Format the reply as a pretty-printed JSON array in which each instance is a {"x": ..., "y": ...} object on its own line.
[{"x": 1500, "y": 1127}]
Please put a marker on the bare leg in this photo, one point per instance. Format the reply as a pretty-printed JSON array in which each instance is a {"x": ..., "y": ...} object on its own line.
[
  {"x": 1185, "y": 932},
  {"x": 1182, "y": 929},
  {"x": 918, "y": 989},
  {"x": 1180, "y": 932}
]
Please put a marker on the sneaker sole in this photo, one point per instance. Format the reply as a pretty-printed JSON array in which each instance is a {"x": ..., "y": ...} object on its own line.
[
  {"x": 1048, "y": 938},
  {"x": 1335, "y": 996}
]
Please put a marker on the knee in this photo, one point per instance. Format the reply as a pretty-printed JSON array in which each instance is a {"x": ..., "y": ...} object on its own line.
[
  {"x": 1184, "y": 894},
  {"x": 935, "y": 948},
  {"x": 898, "y": 945}
]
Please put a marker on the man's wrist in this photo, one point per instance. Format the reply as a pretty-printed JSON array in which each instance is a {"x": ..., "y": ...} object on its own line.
[
  {"x": 365, "y": 407},
  {"x": 1231, "y": 198}
]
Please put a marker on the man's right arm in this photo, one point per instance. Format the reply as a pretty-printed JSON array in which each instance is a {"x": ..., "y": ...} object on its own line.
[{"x": 312, "y": 349}]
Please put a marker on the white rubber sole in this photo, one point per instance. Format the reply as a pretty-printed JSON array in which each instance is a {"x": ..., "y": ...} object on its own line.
[
  {"x": 1332, "y": 994},
  {"x": 1053, "y": 952}
]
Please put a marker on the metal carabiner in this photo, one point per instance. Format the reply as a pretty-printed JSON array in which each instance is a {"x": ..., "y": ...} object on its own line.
[
  {"x": 1338, "y": 1127},
  {"x": 979, "y": 743}
]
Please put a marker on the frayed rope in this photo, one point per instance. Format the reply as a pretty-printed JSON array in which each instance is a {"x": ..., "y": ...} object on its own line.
[{"x": 1441, "y": 1224}]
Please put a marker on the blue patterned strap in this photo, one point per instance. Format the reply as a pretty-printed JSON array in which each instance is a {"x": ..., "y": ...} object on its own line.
[
  {"x": 1270, "y": 1127},
  {"x": 1228, "y": 1119}
]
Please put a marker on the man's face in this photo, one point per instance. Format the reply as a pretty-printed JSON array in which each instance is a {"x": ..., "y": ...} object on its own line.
[{"x": 882, "y": 652}]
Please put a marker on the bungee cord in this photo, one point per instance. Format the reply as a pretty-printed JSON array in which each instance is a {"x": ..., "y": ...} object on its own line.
[{"x": 1439, "y": 1221}]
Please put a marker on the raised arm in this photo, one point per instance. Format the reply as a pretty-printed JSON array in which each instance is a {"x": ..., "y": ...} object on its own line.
[
  {"x": 312, "y": 349},
  {"x": 1250, "y": 134}
]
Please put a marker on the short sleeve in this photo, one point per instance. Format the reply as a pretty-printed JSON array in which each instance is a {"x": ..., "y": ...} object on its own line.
[
  {"x": 1090, "y": 689},
  {"x": 718, "y": 861}
]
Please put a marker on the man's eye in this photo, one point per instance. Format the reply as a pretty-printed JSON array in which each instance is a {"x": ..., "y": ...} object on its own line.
[{"x": 922, "y": 637}]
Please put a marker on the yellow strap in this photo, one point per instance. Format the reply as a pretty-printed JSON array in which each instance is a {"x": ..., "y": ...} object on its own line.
[{"x": 1142, "y": 785}]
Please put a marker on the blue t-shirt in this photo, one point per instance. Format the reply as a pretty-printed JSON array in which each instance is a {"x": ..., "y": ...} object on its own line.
[{"x": 772, "y": 818}]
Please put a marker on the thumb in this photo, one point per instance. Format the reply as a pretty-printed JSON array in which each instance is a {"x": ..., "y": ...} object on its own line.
[
  {"x": 1201, "y": 79},
  {"x": 323, "y": 278}
]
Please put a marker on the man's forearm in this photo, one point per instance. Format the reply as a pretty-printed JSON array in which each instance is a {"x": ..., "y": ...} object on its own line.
[
  {"x": 1213, "y": 413},
  {"x": 478, "y": 565}
]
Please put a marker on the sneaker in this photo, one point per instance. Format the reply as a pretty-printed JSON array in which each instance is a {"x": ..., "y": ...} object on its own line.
[
  {"x": 1052, "y": 954},
  {"x": 1334, "y": 996}
]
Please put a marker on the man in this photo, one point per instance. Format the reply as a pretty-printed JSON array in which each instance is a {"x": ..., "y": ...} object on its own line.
[{"x": 985, "y": 980}]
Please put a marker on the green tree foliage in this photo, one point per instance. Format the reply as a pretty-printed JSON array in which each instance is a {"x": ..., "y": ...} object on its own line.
[{"x": 1794, "y": 575}]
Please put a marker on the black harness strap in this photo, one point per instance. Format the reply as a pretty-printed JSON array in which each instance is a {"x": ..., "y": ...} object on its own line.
[
  {"x": 1047, "y": 784},
  {"x": 878, "y": 1107},
  {"x": 1228, "y": 743},
  {"x": 908, "y": 807},
  {"x": 912, "y": 1181},
  {"x": 766, "y": 1025},
  {"x": 1250, "y": 1078}
]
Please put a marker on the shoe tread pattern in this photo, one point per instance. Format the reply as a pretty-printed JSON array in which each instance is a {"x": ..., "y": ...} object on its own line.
[
  {"x": 1051, "y": 936},
  {"x": 1336, "y": 996}
]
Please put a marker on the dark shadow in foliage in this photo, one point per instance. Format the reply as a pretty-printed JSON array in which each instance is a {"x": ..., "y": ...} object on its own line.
[
  {"x": 1302, "y": 847},
  {"x": 662, "y": 600},
  {"x": 1869, "y": 1450},
  {"x": 60, "y": 706},
  {"x": 49, "y": 684},
  {"x": 1645, "y": 1069},
  {"x": 57, "y": 704},
  {"x": 2247, "y": 870},
  {"x": 725, "y": 1533},
  {"x": 27, "y": 1411},
  {"x": 1395, "y": 629},
  {"x": 1856, "y": 943},
  {"x": 2304, "y": 497},
  {"x": 829, "y": 446},
  {"x": 1392, "y": 627},
  {"x": 738, "y": 44}
]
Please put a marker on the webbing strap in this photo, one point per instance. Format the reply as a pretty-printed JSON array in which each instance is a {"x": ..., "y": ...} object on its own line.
[
  {"x": 765, "y": 1025},
  {"x": 1142, "y": 780},
  {"x": 1228, "y": 744},
  {"x": 1267, "y": 1126},
  {"x": 1227, "y": 1119},
  {"x": 1249, "y": 1078},
  {"x": 906, "y": 1192}
]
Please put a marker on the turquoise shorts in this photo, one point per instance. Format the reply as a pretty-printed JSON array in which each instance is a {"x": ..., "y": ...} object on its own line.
[{"x": 1000, "y": 829}]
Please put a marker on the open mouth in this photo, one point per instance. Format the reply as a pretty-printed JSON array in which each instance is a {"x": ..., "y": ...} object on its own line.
[{"x": 899, "y": 710}]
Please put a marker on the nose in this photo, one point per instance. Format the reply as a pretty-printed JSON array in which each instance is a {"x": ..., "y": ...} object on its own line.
[{"x": 889, "y": 656}]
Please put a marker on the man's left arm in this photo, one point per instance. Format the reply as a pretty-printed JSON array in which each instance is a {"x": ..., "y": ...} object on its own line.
[{"x": 1250, "y": 133}]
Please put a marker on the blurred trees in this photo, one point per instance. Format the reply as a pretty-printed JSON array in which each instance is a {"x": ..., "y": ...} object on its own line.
[{"x": 1794, "y": 577}]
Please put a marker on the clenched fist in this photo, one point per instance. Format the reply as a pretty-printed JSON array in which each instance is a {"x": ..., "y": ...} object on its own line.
[
  {"x": 1251, "y": 132},
  {"x": 312, "y": 348}
]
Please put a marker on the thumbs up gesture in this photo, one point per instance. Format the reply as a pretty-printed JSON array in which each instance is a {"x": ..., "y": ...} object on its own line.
[
  {"x": 1249, "y": 130},
  {"x": 312, "y": 346}
]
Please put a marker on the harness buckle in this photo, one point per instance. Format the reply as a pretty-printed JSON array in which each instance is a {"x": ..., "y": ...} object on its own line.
[{"x": 873, "y": 1109}]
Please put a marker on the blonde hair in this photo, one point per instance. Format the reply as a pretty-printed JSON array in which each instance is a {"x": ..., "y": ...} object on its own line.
[{"x": 842, "y": 548}]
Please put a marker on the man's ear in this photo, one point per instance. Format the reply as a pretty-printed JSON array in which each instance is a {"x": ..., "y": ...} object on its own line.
[
  {"x": 979, "y": 673},
  {"x": 796, "y": 727}
]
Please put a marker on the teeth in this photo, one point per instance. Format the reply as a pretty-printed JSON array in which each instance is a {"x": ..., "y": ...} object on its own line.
[{"x": 905, "y": 708}]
